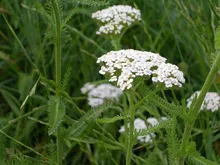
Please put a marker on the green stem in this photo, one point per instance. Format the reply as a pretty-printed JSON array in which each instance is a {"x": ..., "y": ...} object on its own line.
[
  {"x": 58, "y": 72},
  {"x": 116, "y": 43},
  {"x": 195, "y": 110},
  {"x": 130, "y": 133}
]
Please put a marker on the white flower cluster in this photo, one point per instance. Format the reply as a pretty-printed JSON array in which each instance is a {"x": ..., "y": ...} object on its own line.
[
  {"x": 211, "y": 101},
  {"x": 139, "y": 125},
  {"x": 124, "y": 65},
  {"x": 115, "y": 18},
  {"x": 97, "y": 95}
]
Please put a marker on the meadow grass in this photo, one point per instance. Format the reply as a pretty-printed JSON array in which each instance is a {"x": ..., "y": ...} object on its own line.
[{"x": 44, "y": 117}]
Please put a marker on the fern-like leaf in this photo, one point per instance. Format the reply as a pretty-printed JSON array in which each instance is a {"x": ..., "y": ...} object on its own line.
[
  {"x": 171, "y": 108},
  {"x": 66, "y": 78},
  {"x": 56, "y": 113},
  {"x": 80, "y": 126},
  {"x": 89, "y": 2},
  {"x": 196, "y": 159},
  {"x": 110, "y": 120},
  {"x": 172, "y": 141}
]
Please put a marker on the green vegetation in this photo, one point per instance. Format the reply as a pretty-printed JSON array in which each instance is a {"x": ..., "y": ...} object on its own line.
[{"x": 48, "y": 51}]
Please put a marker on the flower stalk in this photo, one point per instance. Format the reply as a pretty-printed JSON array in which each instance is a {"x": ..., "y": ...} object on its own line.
[
  {"x": 130, "y": 131},
  {"x": 58, "y": 71},
  {"x": 195, "y": 110}
]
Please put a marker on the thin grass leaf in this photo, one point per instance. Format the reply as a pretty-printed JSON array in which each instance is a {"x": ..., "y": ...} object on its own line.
[{"x": 32, "y": 92}]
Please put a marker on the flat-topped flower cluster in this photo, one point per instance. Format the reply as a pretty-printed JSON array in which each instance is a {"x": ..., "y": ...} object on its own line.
[
  {"x": 211, "y": 101},
  {"x": 97, "y": 95},
  {"x": 124, "y": 65},
  {"x": 140, "y": 124},
  {"x": 114, "y": 19}
]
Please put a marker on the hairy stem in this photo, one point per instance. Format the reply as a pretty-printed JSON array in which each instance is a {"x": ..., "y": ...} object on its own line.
[
  {"x": 58, "y": 71},
  {"x": 195, "y": 110},
  {"x": 130, "y": 133}
]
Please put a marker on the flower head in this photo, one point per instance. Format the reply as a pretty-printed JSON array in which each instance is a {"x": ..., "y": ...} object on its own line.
[
  {"x": 97, "y": 95},
  {"x": 124, "y": 65},
  {"x": 114, "y": 19},
  {"x": 211, "y": 101},
  {"x": 140, "y": 124}
]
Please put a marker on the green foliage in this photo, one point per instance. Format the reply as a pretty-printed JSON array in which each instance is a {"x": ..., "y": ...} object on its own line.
[
  {"x": 110, "y": 120},
  {"x": 170, "y": 108},
  {"x": 163, "y": 124},
  {"x": 66, "y": 79},
  {"x": 196, "y": 159},
  {"x": 172, "y": 141},
  {"x": 80, "y": 126},
  {"x": 184, "y": 32},
  {"x": 89, "y": 2},
  {"x": 56, "y": 112},
  {"x": 217, "y": 39},
  {"x": 2, "y": 149}
]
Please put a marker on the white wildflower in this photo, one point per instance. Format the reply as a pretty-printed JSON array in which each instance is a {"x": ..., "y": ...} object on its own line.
[
  {"x": 211, "y": 101},
  {"x": 139, "y": 125},
  {"x": 124, "y": 65},
  {"x": 114, "y": 19},
  {"x": 97, "y": 95},
  {"x": 87, "y": 87}
]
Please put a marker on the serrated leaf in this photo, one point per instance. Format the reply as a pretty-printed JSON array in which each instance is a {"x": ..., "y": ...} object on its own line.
[
  {"x": 89, "y": 2},
  {"x": 80, "y": 126},
  {"x": 172, "y": 141},
  {"x": 152, "y": 129},
  {"x": 166, "y": 106},
  {"x": 56, "y": 112},
  {"x": 110, "y": 120},
  {"x": 197, "y": 159}
]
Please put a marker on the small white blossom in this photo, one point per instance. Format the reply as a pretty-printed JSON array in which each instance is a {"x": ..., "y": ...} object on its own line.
[
  {"x": 124, "y": 65},
  {"x": 97, "y": 95},
  {"x": 139, "y": 125},
  {"x": 211, "y": 101},
  {"x": 86, "y": 88},
  {"x": 114, "y": 19}
]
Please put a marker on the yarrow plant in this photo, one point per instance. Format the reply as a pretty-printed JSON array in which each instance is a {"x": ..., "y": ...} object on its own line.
[
  {"x": 97, "y": 95},
  {"x": 114, "y": 19},
  {"x": 211, "y": 101},
  {"x": 124, "y": 66},
  {"x": 140, "y": 124}
]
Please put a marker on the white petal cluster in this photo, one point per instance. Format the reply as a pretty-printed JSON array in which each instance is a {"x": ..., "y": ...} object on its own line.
[
  {"x": 97, "y": 95},
  {"x": 140, "y": 124},
  {"x": 124, "y": 65},
  {"x": 114, "y": 19},
  {"x": 211, "y": 101}
]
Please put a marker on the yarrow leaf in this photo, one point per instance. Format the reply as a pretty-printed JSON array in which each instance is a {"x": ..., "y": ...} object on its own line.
[
  {"x": 56, "y": 111},
  {"x": 110, "y": 120}
]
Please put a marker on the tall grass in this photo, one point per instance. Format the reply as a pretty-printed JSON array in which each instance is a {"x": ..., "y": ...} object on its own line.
[{"x": 41, "y": 61}]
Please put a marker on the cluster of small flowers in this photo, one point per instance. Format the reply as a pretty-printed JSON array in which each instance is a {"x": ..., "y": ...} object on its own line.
[
  {"x": 139, "y": 125},
  {"x": 115, "y": 18},
  {"x": 211, "y": 101},
  {"x": 133, "y": 63},
  {"x": 97, "y": 95}
]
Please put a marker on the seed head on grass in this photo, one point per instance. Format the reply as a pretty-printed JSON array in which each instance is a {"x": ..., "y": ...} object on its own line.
[
  {"x": 124, "y": 66},
  {"x": 211, "y": 101},
  {"x": 97, "y": 95},
  {"x": 114, "y": 19}
]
